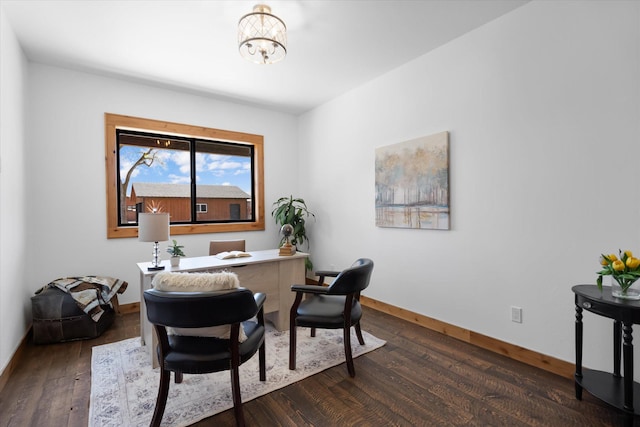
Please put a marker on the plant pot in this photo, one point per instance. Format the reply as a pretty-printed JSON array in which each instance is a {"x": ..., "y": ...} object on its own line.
[{"x": 175, "y": 261}]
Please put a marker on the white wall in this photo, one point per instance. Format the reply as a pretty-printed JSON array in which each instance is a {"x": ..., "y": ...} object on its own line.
[
  {"x": 543, "y": 110},
  {"x": 543, "y": 106},
  {"x": 14, "y": 292},
  {"x": 66, "y": 179}
]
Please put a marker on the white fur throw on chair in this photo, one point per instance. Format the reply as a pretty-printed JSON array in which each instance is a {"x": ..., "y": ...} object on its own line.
[{"x": 199, "y": 282}]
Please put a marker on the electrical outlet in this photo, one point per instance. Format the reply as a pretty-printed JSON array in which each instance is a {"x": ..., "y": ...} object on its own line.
[{"x": 516, "y": 314}]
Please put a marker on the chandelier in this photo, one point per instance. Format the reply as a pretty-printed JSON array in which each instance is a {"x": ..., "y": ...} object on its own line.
[{"x": 262, "y": 37}]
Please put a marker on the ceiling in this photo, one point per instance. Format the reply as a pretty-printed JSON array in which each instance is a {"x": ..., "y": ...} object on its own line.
[{"x": 333, "y": 46}]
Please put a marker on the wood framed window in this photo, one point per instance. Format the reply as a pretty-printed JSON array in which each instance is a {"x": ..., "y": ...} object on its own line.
[{"x": 208, "y": 180}]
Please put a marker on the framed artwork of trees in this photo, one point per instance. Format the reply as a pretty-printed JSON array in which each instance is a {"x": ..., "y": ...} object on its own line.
[{"x": 412, "y": 183}]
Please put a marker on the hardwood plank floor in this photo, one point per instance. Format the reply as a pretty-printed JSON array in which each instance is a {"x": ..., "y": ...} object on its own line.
[{"x": 420, "y": 377}]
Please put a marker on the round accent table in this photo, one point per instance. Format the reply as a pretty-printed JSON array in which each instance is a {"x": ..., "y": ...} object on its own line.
[{"x": 612, "y": 388}]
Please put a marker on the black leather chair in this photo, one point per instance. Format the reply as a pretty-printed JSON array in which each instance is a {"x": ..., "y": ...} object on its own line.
[
  {"x": 199, "y": 355},
  {"x": 331, "y": 307}
]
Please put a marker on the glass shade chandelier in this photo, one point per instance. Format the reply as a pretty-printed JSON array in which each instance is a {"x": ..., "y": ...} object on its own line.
[{"x": 262, "y": 36}]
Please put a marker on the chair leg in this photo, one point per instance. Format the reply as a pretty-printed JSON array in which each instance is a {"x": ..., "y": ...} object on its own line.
[
  {"x": 347, "y": 351},
  {"x": 313, "y": 332},
  {"x": 292, "y": 345},
  {"x": 293, "y": 314},
  {"x": 359, "y": 333},
  {"x": 237, "y": 399},
  {"x": 179, "y": 377},
  {"x": 262, "y": 357},
  {"x": 161, "y": 400}
]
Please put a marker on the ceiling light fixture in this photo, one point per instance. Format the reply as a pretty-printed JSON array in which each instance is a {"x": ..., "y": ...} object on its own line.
[{"x": 262, "y": 36}]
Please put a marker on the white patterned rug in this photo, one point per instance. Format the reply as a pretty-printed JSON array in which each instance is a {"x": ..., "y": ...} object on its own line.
[{"x": 124, "y": 387}]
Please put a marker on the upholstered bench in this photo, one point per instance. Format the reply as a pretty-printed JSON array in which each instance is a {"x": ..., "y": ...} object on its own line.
[
  {"x": 58, "y": 314},
  {"x": 57, "y": 318}
]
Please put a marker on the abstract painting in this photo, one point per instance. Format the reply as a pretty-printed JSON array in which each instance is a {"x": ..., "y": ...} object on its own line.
[{"x": 412, "y": 183}]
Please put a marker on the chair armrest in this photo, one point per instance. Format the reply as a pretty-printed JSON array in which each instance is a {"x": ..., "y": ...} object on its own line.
[
  {"x": 325, "y": 273},
  {"x": 260, "y": 298},
  {"x": 310, "y": 289}
]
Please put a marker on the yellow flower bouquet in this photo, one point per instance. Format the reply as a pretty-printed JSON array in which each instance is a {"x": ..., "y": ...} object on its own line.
[{"x": 625, "y": 270}]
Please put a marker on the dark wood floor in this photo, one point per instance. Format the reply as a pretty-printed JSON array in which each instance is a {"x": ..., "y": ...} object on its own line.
[{"x": 419, "y": 377}]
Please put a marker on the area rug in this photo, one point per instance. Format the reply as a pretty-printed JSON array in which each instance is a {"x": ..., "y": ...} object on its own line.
[{"x": 124, "y": 387}]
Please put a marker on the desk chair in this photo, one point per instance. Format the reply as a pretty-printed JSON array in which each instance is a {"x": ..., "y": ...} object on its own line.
[
  {"x": 200, "y": 355},
  {"x": 331, "y": 307},
  {"x": 217, "y": 246}
]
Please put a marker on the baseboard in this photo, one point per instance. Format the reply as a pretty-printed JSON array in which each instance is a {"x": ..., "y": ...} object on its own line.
[
  {"x": 532, "y": 358},
  {"x": 4, "y": 377},
  {"x": 133, "y": 307}
]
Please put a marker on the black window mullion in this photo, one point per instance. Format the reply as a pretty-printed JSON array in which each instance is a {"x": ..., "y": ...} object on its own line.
[
  {"x": 253, "y": 185},
  {"x": 192, "y": 159},
  {"x": 119, "y": 180}
]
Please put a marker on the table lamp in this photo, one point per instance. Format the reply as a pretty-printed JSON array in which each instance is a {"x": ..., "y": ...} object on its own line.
[{"x": 153, "y": 227}]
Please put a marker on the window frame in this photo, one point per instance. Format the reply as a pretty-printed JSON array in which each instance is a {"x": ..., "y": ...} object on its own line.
[{"x": 116, "y": 121}]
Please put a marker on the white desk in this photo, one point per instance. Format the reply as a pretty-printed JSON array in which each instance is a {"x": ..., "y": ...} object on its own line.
[{"x": 264, "y": 271}]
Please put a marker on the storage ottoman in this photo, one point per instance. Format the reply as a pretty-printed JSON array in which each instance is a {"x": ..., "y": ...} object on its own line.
[{"x": 57, "y": 318}]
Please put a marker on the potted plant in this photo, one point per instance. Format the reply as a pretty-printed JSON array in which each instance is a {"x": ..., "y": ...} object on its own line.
[
  {"x": 625, "y": 272},
  {"x": 176, "y": 252},
  {"x": 287, "y": 210}
]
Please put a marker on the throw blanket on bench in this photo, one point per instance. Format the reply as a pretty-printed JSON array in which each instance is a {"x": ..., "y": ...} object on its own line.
[{"x": 90, "y": 292}]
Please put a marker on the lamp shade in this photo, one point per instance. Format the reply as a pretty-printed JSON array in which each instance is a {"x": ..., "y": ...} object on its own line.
[{"x": 153, "y": 227}]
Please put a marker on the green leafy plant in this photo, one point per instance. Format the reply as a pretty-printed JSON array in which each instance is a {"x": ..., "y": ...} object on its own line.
[
  {"x": 287, "y": 210},
  {"x": 175, "y": 249},
  {"x": 625, "y": 270}
]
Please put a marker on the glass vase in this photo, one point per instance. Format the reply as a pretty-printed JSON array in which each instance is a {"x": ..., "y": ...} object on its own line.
[{"x": 631, "y": 293}]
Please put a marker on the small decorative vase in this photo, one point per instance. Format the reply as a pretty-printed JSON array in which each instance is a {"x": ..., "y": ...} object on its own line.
[
  {"x": 631, "y": 293},
  {"x": 175, "y": 261}
]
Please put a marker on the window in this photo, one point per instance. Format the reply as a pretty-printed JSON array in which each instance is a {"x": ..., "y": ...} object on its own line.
[
  {"x": 208, "y": 180},
  {"x": 234, "y": 210}
]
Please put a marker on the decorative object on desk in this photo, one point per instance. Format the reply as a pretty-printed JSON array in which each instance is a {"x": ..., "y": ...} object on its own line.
[
  {"x": 176, "y": 252},
  {"x": 153, "y": 227},
  {"x": 262, "y": 36},
  {"x": 412, "y": 183},
  {"x": 625, "y": 271},
  {"x": 288, "y": 210},
  {"x": 232, "y": 254},
  {"x": 287, "y": 249},
  {"x": 124, "y": 386}
]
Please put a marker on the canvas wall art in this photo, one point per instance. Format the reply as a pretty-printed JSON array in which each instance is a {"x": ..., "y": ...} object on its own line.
[{"x": 412, "y": 183}]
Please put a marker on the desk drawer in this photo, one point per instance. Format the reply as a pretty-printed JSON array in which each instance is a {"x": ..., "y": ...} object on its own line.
[{"x": 601, "y": 308}]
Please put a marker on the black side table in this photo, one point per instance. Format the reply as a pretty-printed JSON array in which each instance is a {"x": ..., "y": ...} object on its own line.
[{"x": 620, "y": 392}]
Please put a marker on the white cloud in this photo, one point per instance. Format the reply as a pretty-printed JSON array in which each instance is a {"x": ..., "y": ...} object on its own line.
[
  {"x": 182, "y": 160},
  {"x": 178, "y": 179}
]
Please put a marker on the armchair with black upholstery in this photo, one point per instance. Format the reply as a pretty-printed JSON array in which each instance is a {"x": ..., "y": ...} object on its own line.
[
  {"x": 199, "y": 355},
  {"x": 331, "y": 307}
]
